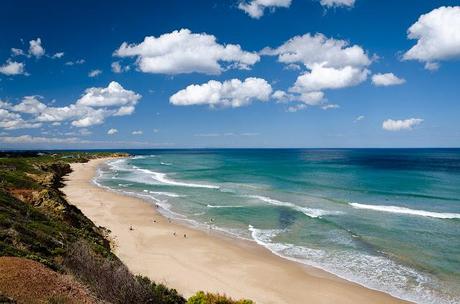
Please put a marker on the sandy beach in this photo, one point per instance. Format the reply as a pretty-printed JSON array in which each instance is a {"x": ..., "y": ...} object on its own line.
[{"x": 203, "y": 260}]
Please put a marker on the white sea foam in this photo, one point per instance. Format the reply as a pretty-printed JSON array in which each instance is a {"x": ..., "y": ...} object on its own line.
[
  {"x": 162, "y": 178},
  {"x": 164, "y": 206},
  {"x": 118, "y": 165},
  {"x": 271, "y": 201},
  {"x": 264, "y": 238},
  {"x": 121, "y": 165},
  {"x": 372, "y": 271},
  {"x": 165, "y": 164},
  {"x": 404, "y": 210},
  {"x": 144, "y": 156},
  {"x": 124, "y": 185},
  {"x": 170, "y": 194},
  {"x": 227, "y": 190},
  {"x": 95, "y": 180},
  {"x": 222, "y": 206},
  {"x": 310, "y": 212}
]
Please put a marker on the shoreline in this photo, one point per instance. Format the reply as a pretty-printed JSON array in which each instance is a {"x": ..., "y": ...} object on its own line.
[{"x": 203, "y": 260}]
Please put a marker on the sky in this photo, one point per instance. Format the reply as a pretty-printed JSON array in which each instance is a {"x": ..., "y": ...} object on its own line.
[{"x": 253, "y": 73}]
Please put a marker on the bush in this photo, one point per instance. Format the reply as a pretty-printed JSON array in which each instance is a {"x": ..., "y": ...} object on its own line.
[
  {"x": 210, "y": 298},
  {"x": 160, "y": 292},
  {"x": 111, "y": 280}
]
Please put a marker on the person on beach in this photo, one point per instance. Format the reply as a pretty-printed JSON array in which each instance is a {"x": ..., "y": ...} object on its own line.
[{"x": 131, "y": 228}]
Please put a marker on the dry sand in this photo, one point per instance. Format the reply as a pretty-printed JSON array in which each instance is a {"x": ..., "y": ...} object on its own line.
[{"x": 203, "y": 260}]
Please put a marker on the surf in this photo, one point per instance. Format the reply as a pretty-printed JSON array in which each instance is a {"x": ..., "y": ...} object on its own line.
[
  {"x": 163, "y": 178},
  {"x": 407, "y": 211},
  {"x": 169, "y": 194},
  {"x": 310, "y": 212},
  {"x": 222, "y": 206},
  {"x": 373, "y": 271}
]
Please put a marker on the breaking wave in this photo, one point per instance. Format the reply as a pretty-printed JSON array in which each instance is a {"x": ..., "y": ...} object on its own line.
[
  {"x": 310, "y": 212},
  {"x": 404, "y": 210}
]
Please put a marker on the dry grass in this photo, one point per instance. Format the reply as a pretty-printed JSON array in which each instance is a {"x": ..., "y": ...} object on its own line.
[{"x": 111, "y": 280}]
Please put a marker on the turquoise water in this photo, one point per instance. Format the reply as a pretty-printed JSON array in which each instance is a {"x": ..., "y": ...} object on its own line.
[{"x": 388, "y": 219}]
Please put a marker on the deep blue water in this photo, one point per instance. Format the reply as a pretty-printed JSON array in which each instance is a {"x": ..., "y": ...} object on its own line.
[{"x": 386, "y": 218}]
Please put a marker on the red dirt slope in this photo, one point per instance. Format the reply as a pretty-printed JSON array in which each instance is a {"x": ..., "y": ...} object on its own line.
[{"x": 27, "y": 281}]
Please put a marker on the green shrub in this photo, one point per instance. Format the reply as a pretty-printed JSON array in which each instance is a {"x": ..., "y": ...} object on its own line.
[
  {"x": 210, "y": 298},
  {"x": 160, "y": 292}
]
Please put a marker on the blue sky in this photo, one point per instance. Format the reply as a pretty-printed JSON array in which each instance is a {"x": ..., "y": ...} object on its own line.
[{"x": 299, "y": 73}]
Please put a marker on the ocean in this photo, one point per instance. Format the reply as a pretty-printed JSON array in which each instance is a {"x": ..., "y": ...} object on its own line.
[{"x": 388, "y": 219}]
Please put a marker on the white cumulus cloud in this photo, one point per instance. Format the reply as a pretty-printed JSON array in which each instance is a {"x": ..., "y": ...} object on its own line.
[
  {"x": 230, "y": 93},
  {"x": 12, "y": 68},
  {"x": 13, "y": 121},
  {"x": 113, "y": 95},
  {"x": 112, "y": 131},
  {"x": 35, "y": 48},
  {"x": 330, "y": 106},
  {"x": 311, "y": 50},
  {"x": 329, "y": 64},
  {"x": 399, "y": 125},
  {"x": 137, "y": 132},
  {"x": 321, "y": 78},
  {"x": 91, "y": 118},
  {"x": 30, "y": 105},
  {"x": 58, "y": 55},
  {"x": 76, "y": 62},
  {"x": 359, "y": 118},
  {"x": 281, "y": 96},
  {"x": 256, "y": 8},
  {"x": 311, "y": 98},
  {"x": 92, "y": 108},
  {"x": 118, "y": 68},
  {"x": 296, "y": 107},
  {"x": 186, "y": 52},
  {"x": 337, "y": 3},
  {"x": 17, "y": 52},
  {"x": 387, "y": 79},
  {"x": 94, "y": 73},
  {"x": 23, "y": 139},
  {"x": 438, "y": 36}
]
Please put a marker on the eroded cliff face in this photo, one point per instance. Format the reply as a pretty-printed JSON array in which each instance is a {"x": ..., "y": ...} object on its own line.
[{"x": 36, "y": 221}]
